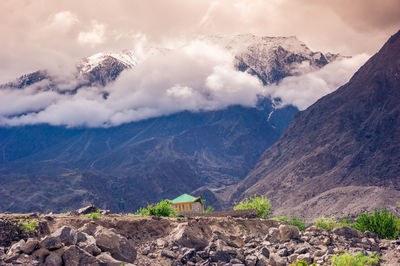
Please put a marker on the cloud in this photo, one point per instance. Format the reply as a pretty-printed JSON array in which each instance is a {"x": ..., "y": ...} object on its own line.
[
  {"x": 196, "y": 77},
  {"x": 302, "y": 91},
  {"x": 94, "y": 36}
]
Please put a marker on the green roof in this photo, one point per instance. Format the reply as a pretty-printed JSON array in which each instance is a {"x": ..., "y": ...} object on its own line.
[{"x": 183, "y": 198}]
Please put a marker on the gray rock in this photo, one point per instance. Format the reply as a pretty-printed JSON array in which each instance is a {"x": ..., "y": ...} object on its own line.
[
  {"x": 276, "y": 260},
  {"x": 51, "y": 243},
  {"x": 14, "y": 251},
  {"x": 66, "y": 235},
  {"x": 301, "y": 250},
  {"x": 119, "y": 247},
  {"x": 186, "y": 236},
  {"x": 306, "y": 257},
  {"x": 81, "y": 237},
  {"x": 282, "y": 252},
  {"x": 109, "y": 260},
  {"x": 30, "y": 246},
  {"x": 219, "y": 255},
  {"x": 273, "y": 235},
  {"x": 288, "y": 232},
  {"x": 146, "y": 250},
  {"x": 168, "y": 254},
  {"x": 189, "y": 255},
  {"x": 87, "y": 210},
  {"x": 75, "y": 256},
  {"x": 251, "y": 260},
  {"x": 41, "y": 254},
  {"x": 53, "y": 260},
  {"x": 369, "y": 234},
  {"x": 265, "y": 252},
  {"x": 348, "y": 232}
]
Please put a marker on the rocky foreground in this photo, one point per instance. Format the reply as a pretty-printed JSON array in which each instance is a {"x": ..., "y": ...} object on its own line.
[{"x": 135, "y": 240}]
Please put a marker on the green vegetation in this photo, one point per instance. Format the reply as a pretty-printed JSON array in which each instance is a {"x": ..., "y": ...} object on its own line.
[
  {"x": 327, "y": 223},
  {"x": 299, "y": 222},
  {"x": 302, "y": 263},
  {"x": 162, "y": 208},
  {"x": 94, "y": 215},
  {"x": 209, "y": 209},
  {"x": 382, "y": 222},
  {"x": 27, "y": 226},
  {"x": 261, "y": 204},
  {"x": 349, "y": 259}
]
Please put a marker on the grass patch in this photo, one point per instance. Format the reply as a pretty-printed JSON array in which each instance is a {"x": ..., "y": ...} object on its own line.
[
  {"x": 358, "y": 259},
  {"x": 93, "y": 215},
  {"x": 299, "y": 222},
  {"x": 27, "y": 226},
  {"x": 382, "y": 222},
  {"x": 327, "y": 223},
  {"x": 261, "y": 204}
]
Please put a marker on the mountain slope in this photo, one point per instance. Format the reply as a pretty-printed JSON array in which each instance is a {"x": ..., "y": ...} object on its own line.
[{"x": 348, "y": 138}]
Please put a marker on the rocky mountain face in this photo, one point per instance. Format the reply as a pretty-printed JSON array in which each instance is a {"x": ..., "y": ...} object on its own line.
[
  {"x": 50, "y": 168},
  {"x": 125, "y": 239},
  {"x": 272, "y": 58},
  {"x": 341, "y": 154}
]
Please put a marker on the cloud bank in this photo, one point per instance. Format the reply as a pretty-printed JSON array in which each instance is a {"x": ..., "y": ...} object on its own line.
[{"x": 196, "y": 77}]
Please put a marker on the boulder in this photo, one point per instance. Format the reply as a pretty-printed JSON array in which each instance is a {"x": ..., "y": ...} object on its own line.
[
  {"x": 110, "y": 261},
  {"x": 53, "y": 259},
  {"x": 276, "y": 260},
  {"x": 219, "y": 255},
  {"x": 306, "y": 257},
  {"x": 288, "y": 232},
  {"x": 119, "y": 247},
  {"x": 51, "y": 243},
  {"x": 75, "y": 256},
  {"x": 348, "y": 232},
  {"x": 66, "y": 235},
  {"x": 168, "y": 254},
  {"x": 14, "y": 251},
  {"x": 87, "y": 210},
  {"x": 30, "y": 246},
  {"x": 186, "y": 236},
  {"x": 41, "y": 254},
  {"x": 273, "y": 235},
  {"x": 265, "y": 252}
]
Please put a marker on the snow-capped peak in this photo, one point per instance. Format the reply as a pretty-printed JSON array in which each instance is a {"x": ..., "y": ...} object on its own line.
[{"x": 126, "y": 57}]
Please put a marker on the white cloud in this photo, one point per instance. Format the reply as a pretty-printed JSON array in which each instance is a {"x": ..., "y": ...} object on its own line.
[
  {"x": 302, "y": 91},
  {"x": 94, "y": 36},
  {"x": 195, "y": 77},
  {"x": 64, "y": 19}
]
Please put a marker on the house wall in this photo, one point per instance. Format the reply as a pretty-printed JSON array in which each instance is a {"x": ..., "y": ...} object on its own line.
[{"x": 188, "y": 208}]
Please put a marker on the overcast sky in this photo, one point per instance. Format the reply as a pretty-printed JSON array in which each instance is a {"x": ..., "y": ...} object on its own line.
[{"x": 48, "y": 34}]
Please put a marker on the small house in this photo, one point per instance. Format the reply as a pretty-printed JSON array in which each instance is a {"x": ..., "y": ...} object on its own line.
[{"x": 186, "y": 204}]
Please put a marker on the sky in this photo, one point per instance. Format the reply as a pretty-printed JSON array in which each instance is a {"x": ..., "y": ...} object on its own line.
[{"x": 54, "y": 35}]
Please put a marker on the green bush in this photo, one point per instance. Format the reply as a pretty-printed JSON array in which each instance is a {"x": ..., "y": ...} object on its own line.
[
  {"x": 209, "y": 209},
  {"x": 349, "y": 259},
  {"x": 382, "y": 222},
  {"x": 27, "y": 226},
  {"x": 162, "y": 208},
  {"x": 300, "y": 223},
  {"x": 261, "y": 204},
  {"x": 345, "y": 221},
  {"x": 93, "y": 215},
  {"x": 282, "y": 218},
  {"x": 326, "y": 223}
]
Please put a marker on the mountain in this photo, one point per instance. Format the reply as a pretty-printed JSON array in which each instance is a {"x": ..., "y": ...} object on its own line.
[
  {"x": 341, "y": 155},
  {"x": 54, "y": 168},
  {"x": 272, "y": 58}
]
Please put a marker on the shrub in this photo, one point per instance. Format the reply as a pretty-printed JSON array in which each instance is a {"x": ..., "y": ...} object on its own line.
[
  {"x": 300, "y": 223},
  {"x": 27, "y": 226},
  {"x": 162, "y": 208},
  {"x": 382, "y": 222},
  {"x": 261, "y": 204},
  {"x": 345, "y": 221},
  {"x": 301, "y": 263},
  {"x": 282, "y": 218},
  {"x": 326, "y": 223},
  {"x": 209, "y": 209},
  {"x": 349, "y": 259},
  {"x": 93, "y": 215},
  {"x": 143, "y": 212}
]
